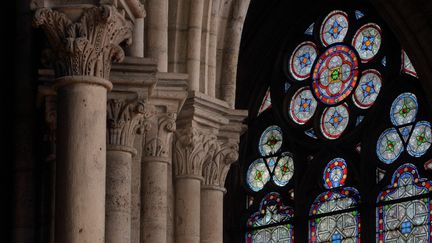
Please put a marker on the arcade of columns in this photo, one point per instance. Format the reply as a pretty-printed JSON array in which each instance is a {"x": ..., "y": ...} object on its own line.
[{"x": 139, "y": 154}]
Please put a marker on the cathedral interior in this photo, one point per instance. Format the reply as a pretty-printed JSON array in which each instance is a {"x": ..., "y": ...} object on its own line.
[{"x": 218, "y": 121}]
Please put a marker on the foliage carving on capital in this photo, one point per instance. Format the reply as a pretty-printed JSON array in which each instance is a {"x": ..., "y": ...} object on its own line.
[
  {"x": 191, "y": 149},
  {"x": 125, "y": 120},
  {"x": 158, "y": 142},
  {"x": 216, "y": 169},
  {"x": 88, "y": 46}
]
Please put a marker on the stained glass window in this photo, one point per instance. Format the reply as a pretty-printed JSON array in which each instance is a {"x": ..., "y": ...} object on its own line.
[
  {"x": 272, "y": 212},
  {"x": 407, "y": 220},
  {"x": 266, "y": 103},
  {"x": 327, "y": 224},
  {"x": 274, "y": 165},
  {"x": 407, "y": 66},
  {"x": 415, "y": 139},
  {"x": 342, "y": 93},
  {"x": 335, "y": 73}
]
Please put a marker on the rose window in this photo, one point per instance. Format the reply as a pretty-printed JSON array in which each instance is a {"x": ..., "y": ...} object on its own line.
[{"x": 333, "y": 75}]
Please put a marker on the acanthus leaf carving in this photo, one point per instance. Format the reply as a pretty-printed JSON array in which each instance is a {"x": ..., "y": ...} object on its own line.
[
  {"x": 158, "y": 143},
  {"x": 216, "y": 169},
  {"x": 88, "y": 46},
  {"x": 125, "y": 119},
  {"x": 191, "y": 149}
]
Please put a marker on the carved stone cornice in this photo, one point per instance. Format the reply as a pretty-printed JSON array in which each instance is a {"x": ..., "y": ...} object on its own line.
[
  {"x": 87, "y": 47},
  {"x": 216, "y": 169},
  {"x": 125, "y": 119},
  {"x": 192, "y": 148},
  {"x": 158, "y": 138}
]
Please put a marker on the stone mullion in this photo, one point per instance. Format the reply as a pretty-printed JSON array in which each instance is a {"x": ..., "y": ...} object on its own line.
[
  {"x": 156, "y": 160},
  {"x": 82, "y": 65},
  {"x": 124, "y": 121}
]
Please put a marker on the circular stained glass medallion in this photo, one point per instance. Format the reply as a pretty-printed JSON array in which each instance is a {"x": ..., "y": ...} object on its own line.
[
  {"x": 302, "y": 106},
  {"x": 257, "y": 175},
  {"x": 404, "y": 109},
  {"x": 367, "y": 41},
  {"x": 334, "y": 27},
  {"x": 302, "y": 59},
  {"x": 335, "y": 173},
  {"x": 368, "y": 89},
  {"x": 284, "y": 170},
  {"x": 270, "y": 141},
  {"x": 420, "y": 140},
  {"x": 389, "y": 146},
  {"x": 335, "y": 74},
  {"x": 334, "y": 120}
]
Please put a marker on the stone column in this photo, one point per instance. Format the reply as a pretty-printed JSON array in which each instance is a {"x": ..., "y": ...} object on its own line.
[
  {"x": 194, "y": 43},
  {"x": 192, "y": 147},
  {"x": 124, "y": 120},
  {"x": 83, "y": 54},
  {"x": 212, "y": 192},
  {"x": 155, "y": 161},
  {"x": 137, "y": 47},
  {"x": 157, "y": 26}
]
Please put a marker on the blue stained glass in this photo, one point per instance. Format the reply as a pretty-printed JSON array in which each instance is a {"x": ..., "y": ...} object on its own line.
[
  {"x": 407, "y": 220},
  {"x": 287, "y": 86},
  {"x": 367, "y": 43},
  {"x": 405, "y": 132},
  {"x": 406, "y": 227},
  {"x": 359, "y": 14},
  {"x": 336, "y": 237},
  {"x": 270, "y": 141},
  {"x": 309, "y": 30},
  {"x": 389, "y": 146},
  {"x": 420, "y": 140},
  {"x": 404, "y": 109},
  {"x": 311, "y": 133},
  {"x": 335, "y": 173},
  {"x": 359, "y": 120},
  {"x": 335, "y": 30},
  {"x": 368, "y": 88},
  {"x": 305, "y": 60},
  {"x": 335, "y": 119},
  {"x": 384, "y": 61}
]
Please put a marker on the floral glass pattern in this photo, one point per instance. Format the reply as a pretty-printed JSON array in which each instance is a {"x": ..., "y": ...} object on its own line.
[
  {"x": 276, "y": 166},
  {"x": 271, "y": 211},
  {"x": 415, "y": 139},
  {"x": 405, "y": 221},
  {"x": 335, "y": 69},
  {"x": 336, "y": 227}
]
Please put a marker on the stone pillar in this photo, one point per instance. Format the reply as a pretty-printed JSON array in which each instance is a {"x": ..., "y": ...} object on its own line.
[
  {"x": 194, "y": 43},
  {"x": 124, "y": 120},
  {"x": 192, "y": 147},
  {"x": 155, "y": 162},
  {"x": 83, "y": 53},
  {"x": 212, "y": 192},
  {"x": 137, "y": 47},
  {"x": 157, "y": 25}
]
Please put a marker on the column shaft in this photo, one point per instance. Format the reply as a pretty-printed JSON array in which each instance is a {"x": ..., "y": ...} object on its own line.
[
  {"x": 187, "y": 208},
  {"x": 158, "y": 32},
  {"x": 81, "y": 160},
  {"x": 118, "y": 196},
  {"x": 137, "y": 47},
  {"x": 194, "y": 43},
  {"x": 154, "y": 201},
  {"x": 212, "y": 215}
]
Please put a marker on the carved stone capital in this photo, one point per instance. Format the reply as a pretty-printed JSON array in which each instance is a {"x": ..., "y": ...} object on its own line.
[
  {"x": 216, "y": 169},
  {"x": 192, "y": 148},
  {"x": 158, "y": 139},
  {"x": 125, "y": 119},
  {"x": 87, "y": 47}
]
